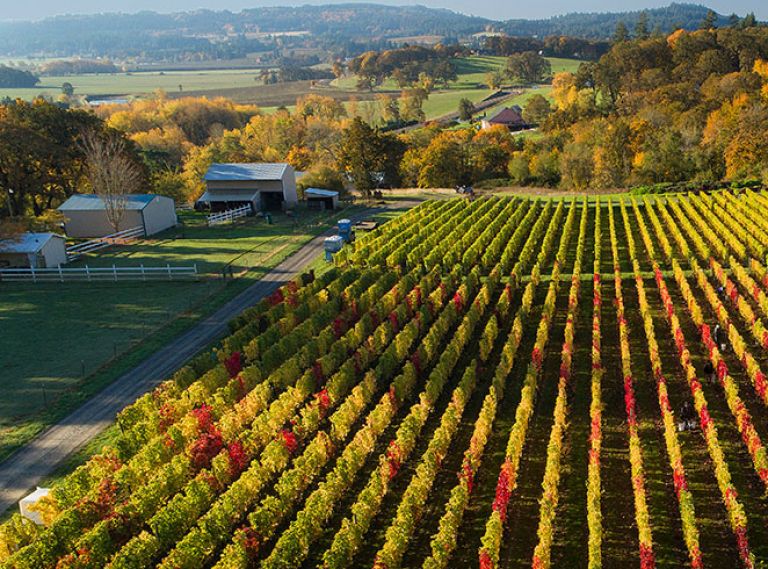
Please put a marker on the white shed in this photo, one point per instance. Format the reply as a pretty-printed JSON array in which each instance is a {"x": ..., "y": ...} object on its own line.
[
  {"x": 86, "y": 215},
  {"x": 27, "y": 504},
  {"x": 264, "y": 186},
  {"x": 38, "y": 250}
]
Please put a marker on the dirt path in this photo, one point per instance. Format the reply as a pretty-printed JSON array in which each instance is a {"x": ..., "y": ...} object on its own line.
[{"x": 23, "y": 470}]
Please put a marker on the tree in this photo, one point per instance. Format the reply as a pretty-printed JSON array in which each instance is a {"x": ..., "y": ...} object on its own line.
[
  {"x": 466, "y": 109},
  {"x": 528, "y": 67},
  {"x": 16, "y": 78},
  {"x": 622, "y": 33},
  {"x": 67, "y": 89},
  {"x": 536, "y": 110},
  {"x": 641, "y": 26},
  {"x": 749, "y": 21},
  {"x": 710, "y": 21},
  {"x": 369, "y": 157},
  {"x": 112, "y": 173},
  {"x": 494, "y": 79}
]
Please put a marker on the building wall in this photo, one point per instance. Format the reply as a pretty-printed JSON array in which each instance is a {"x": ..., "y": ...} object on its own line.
[
  {"x": 53, "y": 253},
  {"x": 290, "y": 195},
  {"x": 159, "y": 215},
  {"x": 94, "y": 223},
  {"x": 13, "y": 260}
]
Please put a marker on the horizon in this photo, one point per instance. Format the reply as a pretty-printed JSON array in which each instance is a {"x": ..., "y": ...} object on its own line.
[{"x": 482, "y": 8}]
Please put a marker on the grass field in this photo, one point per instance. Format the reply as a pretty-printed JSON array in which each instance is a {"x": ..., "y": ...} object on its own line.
[
  {"x": 139, "y": 83},
  {"x": 86, "y": 334}
]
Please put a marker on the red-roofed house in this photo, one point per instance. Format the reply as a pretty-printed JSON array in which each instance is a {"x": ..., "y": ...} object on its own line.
[{"x": 510, "y": 117}]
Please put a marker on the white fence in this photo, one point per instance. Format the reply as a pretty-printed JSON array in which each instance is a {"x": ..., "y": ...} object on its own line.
[
  {"x": 94, "y": 274},
  {"x": 120, "y": 238},
  {"x": 229, "y": 215}
]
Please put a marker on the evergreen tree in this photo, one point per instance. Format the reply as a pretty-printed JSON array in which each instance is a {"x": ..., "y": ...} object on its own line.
[
  {"x": 710, "y": 21},
  {"x": 621, "y": 34},
  {"x": 641, "y": 27}
]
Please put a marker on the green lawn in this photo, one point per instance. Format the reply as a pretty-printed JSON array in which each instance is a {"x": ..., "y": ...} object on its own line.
[{"x": 63, "y": 342}]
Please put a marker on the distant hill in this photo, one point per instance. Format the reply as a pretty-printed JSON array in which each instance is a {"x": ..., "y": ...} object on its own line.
[
  {"x": 345, "y": 28},
  {"x": 602, "y": 25}
]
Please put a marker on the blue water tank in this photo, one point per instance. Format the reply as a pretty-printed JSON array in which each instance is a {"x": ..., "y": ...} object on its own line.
[{"x": 345, "y": 229}]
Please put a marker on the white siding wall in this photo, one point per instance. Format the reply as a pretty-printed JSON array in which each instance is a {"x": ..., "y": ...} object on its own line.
[
  {"x": 54, "y": 253},
  {"x": 94, "y": 223},
  {"x": 159, "y": 215}
]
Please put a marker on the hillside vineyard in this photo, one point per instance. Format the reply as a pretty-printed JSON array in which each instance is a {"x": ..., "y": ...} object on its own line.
[{"x": 506, "y": 382}]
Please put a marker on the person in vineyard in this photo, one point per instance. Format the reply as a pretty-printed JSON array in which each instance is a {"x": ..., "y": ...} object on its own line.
[
  {"x": 709, "y": 370},
  {"x": 687, "y": 417}
]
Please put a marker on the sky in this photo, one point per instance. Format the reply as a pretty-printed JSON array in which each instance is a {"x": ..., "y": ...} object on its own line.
[{"x": 493, "y": 9}]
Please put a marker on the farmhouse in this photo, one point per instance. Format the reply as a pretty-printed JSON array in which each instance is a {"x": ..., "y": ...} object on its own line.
[
  {"x": 321, "y": 199},
  {"x": 86, "y": 215},
  {"x": 38, "y": 250},
  {"x": 510, "y": 117},
  {"x": 263, "y": 186}
]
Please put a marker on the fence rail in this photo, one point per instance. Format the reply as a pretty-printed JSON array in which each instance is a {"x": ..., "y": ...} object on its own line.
[
  {"x": 99, "y": 274},
  {"x": 120, "y": 238},
  {"x": 229, "y": 215}
]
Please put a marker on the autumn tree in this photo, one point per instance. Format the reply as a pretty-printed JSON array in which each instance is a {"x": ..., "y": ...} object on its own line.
[
  {"x": 466, "y": 109},
  {"x": 369, "y": 157},
  {"x": 528, "y": 67},
  {"x": 536, "y": 109},
  {"x": 111, "y": 171}
]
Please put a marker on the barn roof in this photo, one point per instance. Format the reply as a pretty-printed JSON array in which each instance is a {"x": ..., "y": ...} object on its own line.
[
  {"x": 228, "y": 196},
  {"x": 317, "y": 192},
  {"x": 82, "y": 202},
  {"x": 263, "y": 171},
  {"x": 26, "y": 242}
]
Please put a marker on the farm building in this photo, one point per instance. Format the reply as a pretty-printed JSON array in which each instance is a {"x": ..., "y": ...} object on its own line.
[
  {"x": 87, "y": 216},
  {"x": 321, "y": 199},
  {"x": 38, "y": 250},
  {"x": 510, "y": 117},
  {"x": 263, "y": 186}
]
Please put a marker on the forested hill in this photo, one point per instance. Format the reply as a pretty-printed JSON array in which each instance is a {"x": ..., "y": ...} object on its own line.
[
  {"x": 225, "y": 34},
  {"x": 603, "y": 25}
]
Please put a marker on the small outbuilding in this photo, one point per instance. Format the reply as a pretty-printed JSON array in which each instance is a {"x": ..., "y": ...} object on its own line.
[
  {"x": 28, "y": 503},
  {"x": 38, "y": 250},
  {"x": 321, "y": 199},
  {"x": 86, "y": 215},
  {"x": 510, "y": 117},
  {"x": 263, "y": 186}
]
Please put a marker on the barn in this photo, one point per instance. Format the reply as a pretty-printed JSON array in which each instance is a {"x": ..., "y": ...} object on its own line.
[
  {"x": 86, "y": 215},
  {"x": 263, "y": 186},
  {"x": 38, "y": 250}
]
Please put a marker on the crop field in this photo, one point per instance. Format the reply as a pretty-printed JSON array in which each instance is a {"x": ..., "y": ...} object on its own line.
[{"x": 495, "y": 383}]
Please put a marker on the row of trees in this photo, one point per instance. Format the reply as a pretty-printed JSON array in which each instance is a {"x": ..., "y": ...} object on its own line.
[{"x": 407, "y": 66}]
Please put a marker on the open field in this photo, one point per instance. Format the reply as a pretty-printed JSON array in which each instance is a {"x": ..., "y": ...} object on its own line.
[
  {"x": 86, "y": 334},
  {"x": 140, "y": 83},
  {"x": 495, "y": 383}
]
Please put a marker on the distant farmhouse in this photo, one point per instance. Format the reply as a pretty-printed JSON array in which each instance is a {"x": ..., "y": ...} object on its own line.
[
  {"x": 263, "y": 186},
  {"x": 38, "y": 250},
  {"x": 86, "y": 215},
  {"x": 510, "y": 117}
]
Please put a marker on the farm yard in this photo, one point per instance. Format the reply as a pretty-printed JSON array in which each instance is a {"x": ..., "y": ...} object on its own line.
[
  {"x": 496, "y": 383},
  {"x": 86, "y": 334}
]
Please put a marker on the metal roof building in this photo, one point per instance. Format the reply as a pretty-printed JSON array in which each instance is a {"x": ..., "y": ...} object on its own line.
[
  {"x": 39, "y": 250},
  {"x": 87, "y": 216},
  {"x": 265, "y": 186},
  {"x": 322, "y": 199}
]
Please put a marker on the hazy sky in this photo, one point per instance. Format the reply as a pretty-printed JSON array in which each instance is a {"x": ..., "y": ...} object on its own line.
[{"x": 495, "y": 9}]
